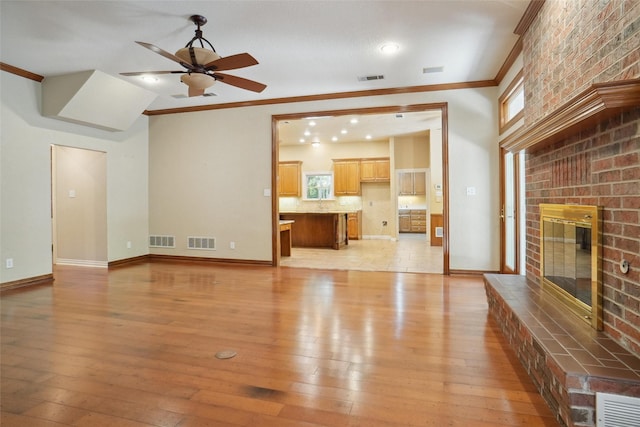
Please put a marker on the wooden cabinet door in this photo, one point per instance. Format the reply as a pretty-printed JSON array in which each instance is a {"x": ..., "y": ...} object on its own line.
[
  {"x": 289, "y": 182},
  {"x": 383, "y": 170},
  {"x": 367, "y": 170},
  {"x": 375, "y": 170},
  {"x": 406, "y": 183},
  {"x": 346, "y": 177},
  {"x": 419, "y": 183},
  {"x": 354, "y": 225},
  {"x": 404, "y": 224},
  {"x": 412, "y": 183}
]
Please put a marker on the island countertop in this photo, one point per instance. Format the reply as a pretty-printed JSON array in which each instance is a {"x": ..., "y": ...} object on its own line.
[{"x": 318, "y": 229}]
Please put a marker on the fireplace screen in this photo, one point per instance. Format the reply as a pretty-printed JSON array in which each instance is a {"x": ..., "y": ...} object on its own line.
[{"x": 570, "y": 263}]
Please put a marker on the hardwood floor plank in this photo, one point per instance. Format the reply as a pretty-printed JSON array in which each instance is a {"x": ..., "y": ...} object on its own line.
[{"x": 136, "y": 346}]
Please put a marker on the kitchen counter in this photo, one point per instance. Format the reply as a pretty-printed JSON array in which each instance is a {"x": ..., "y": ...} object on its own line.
[{"x": 322, "y": 229}]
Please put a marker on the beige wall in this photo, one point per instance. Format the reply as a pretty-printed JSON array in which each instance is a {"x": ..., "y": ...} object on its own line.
[
  {"x": 412, "y": 152},
  {"x": 209, "y": 174},
  {"x": 25, "y": 182},
  {"x": 209, "y": 170}
]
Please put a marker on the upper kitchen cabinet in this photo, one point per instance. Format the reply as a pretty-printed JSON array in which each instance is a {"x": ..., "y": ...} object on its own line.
[
  {"x": 375, "y": 170},
  {"x": 289, "y": 182},
  {"x": 346, "y": 177},
  {"x": 412, "y": 183}
]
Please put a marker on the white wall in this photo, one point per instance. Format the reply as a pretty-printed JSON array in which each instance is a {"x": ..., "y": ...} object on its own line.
[
  {"x": 209, "y": 169},
  {"x": 25, "y": 172}
]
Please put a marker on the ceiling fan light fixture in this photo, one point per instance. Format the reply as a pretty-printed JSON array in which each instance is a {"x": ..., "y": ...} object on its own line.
[
  {"x": 202, "y": 55},
  {"x": 198, "y": 80}
]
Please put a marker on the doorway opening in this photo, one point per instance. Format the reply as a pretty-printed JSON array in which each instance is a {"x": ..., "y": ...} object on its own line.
[
  {"x": 316, "y": 140},
  {"x": 79, "y": 206}
]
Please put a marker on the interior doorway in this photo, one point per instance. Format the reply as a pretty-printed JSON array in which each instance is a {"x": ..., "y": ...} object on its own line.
[
  {"x": 398, "y": 112},
  {"x": 79, "y": 206}
]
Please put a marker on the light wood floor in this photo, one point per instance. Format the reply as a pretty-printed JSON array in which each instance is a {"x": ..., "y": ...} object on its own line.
[
  {"x": 135, "y": 346},
  {"x": 411, "y": 253}
]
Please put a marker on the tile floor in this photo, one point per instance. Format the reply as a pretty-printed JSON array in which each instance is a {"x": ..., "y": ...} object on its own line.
[{"x": 412, "y": 253}]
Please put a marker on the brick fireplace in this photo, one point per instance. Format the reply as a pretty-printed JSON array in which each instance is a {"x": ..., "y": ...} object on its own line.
[{"x": 581, "y": 136}]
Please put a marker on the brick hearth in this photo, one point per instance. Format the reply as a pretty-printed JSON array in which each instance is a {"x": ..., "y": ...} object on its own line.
[{"x": 567, "y": 360}]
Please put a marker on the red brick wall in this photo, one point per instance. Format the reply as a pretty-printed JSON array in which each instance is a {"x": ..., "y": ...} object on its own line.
[
  {"x": 574, "y": 43},
  {"x": 601, "y": 166},
  {"x": 569, "y": 46}
]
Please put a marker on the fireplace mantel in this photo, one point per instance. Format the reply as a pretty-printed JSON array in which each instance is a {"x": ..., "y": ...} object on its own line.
[{"x": 599, "y": 102}]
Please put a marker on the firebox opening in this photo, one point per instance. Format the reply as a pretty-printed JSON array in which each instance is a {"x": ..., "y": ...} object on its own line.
[{"x": 571, "y": 258}]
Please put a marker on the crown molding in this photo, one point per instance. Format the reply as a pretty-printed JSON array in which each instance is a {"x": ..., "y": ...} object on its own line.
[
  {"x": 20, "y": 72},
  {"x": 600, "y": 102},
  {"x": 323, "y": 97},
  {"x": 529, "y": 15}
]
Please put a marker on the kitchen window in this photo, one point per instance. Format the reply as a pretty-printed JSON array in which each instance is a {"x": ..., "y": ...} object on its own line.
[{"x": 318, "y": 185}]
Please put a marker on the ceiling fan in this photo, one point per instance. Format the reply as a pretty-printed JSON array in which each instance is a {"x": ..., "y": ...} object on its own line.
[{"x": 203, "y": 65}]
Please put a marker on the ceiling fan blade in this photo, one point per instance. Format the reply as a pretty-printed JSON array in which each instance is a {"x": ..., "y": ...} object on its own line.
[
  {"x": 195, "y": 92},
  {"x": 240, "y": 82},
  {"x": 143, "y": 73},
  {"x": 166, "y": 54},
  {"x": 232, "y": 62}
]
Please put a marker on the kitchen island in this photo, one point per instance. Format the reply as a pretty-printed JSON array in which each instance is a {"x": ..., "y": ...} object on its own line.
[{"x": 317, "y": 229}]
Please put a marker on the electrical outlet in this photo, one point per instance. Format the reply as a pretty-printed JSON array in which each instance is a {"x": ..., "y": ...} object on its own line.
[
  {"x": 232, "y": 245},
  {"x": 9, "y": 262},
  {"x": 128, "y": 245}
]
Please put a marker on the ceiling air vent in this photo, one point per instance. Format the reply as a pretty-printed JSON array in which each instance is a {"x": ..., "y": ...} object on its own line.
[
  {"x": 368, "y": 78},
  {"x": 204, "y": 243},
  {"x": 162, "y": 241},
  {"x": 431, "y": 70}
]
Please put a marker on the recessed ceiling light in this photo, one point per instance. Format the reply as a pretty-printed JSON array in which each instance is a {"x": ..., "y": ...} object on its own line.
[
  {"x": 368, "y": 137},
  {"x": 301, "y": 140},
  {"x": 334, "y": 138},
  {"x": 353, "y": 121},
  {"x": 390, "y": 47},
  {"x": 312, "y": 123},
  {"x": 315, "y": 144},
  {"x": 343, "y": 131},
  {"x": 307, "y": 133},
  {"x": 149, "y": 79}
]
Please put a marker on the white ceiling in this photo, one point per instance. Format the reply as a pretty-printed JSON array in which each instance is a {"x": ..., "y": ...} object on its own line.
[{"x": 303, "y": 47}]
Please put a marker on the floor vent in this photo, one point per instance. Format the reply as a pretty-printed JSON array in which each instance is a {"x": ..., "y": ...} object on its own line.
[
  {"x": 205, "y": 243},
  {"x": 368, "y": 78},
  {"x": 162, "y": 242},
  {"x": 614, "y": 410}
]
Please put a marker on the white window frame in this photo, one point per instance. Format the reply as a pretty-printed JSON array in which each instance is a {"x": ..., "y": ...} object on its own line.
[{"x": 326, "y": 194}]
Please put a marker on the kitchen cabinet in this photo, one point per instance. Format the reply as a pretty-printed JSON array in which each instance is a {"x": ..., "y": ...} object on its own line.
[
  {"x": 412, "y": 221},
  {"x": 346, "y": 177},
  {"x": 412, "y": 183},
  {"x": 375, "y": 170},
  {"x": 289, "y": 182},
  {"x": 404, "y": 221},
  {"x": 354, "y": 225},
  {"x": 418, "y": 220},
  {"x": 317, "y": 229}
]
